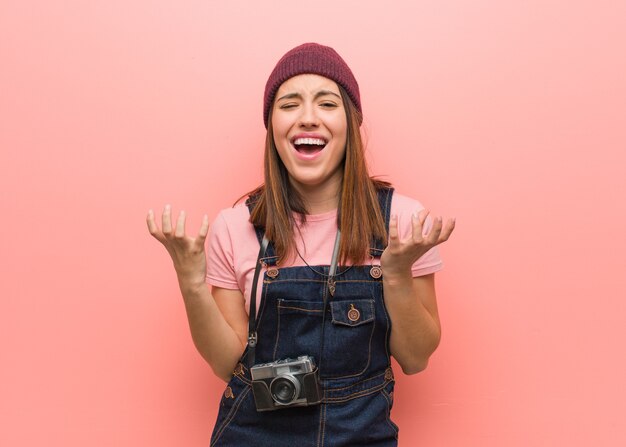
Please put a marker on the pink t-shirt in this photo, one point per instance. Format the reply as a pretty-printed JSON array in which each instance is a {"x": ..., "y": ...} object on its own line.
[{"x": 233, "y": 245}]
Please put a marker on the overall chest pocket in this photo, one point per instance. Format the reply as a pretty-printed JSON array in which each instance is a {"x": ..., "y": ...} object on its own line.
[
  {"x": 349, "y": 328},
  {"x": 348, "y": 338}
]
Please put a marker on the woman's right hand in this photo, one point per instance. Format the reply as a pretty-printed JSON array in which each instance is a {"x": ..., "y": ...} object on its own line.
[
  {"x": 211, "y": 317},
  {"x": 186, "y": 252}
]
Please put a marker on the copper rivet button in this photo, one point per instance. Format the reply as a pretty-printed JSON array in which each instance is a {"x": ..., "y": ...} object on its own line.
[
  {"x": 389, "y": 374},
  {"x": 391, "y": 395},
  {"x": 353, "y": 314},
  {"x": 376, "y": 272},
  {"x": 272, "y": 272},
  {"x": 229, "y": 393},
  {"x": 239, "y": 369}
]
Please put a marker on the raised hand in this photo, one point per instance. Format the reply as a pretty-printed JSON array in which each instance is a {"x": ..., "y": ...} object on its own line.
[
  {"x": 400, "y": 255},
  {"x": 187, "y": 252}
]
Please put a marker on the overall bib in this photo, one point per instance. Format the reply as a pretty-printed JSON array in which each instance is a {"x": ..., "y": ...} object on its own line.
[{"x": 355, "y": 369}]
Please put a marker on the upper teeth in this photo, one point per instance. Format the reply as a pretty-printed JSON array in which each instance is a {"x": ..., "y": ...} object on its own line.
[{"x": 317, "y": 141}]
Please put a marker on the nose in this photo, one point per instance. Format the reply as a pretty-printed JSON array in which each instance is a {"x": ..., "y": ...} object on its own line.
[{"x": 308, "y": 117}]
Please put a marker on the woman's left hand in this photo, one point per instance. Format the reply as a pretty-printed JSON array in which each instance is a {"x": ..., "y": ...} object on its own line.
[{"x": 400, "y": 255}]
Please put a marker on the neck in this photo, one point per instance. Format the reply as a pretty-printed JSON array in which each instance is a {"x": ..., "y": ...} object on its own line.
[{"x": 320, "y": 199}]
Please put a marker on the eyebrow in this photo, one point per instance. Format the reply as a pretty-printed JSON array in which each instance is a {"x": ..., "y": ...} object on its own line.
[{"x": 317, "y": 95}]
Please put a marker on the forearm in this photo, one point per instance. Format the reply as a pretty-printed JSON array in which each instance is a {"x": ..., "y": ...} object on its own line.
[
  {"x": 214, "y": 338},
  {"x": 415, "y": 330}
]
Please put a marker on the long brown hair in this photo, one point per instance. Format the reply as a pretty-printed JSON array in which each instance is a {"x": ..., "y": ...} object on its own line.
[{"x": 358, "y": 216}]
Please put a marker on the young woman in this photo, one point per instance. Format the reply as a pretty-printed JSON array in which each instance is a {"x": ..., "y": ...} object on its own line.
[{"x": 346, "y": 275}]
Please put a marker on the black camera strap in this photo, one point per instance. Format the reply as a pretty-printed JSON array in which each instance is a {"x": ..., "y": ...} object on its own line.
[
  {"x": 252, "y": 335},
  {"x": 330, "y": 290}
]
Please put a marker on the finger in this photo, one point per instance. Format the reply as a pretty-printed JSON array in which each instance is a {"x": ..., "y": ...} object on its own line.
[
  {"x": 180, "y": 225},
  {"x": 447, "y": 230},
  {"x": 435, "y": 230},
  {"x": 423, "y": 215},
  {"x": 393, "y": 230},
  {"x": 152, "y": 226},
  {"x": 204, "y": 229},
  {"x": 166, "y": 220},
  {"x": 417, "y": 223}
]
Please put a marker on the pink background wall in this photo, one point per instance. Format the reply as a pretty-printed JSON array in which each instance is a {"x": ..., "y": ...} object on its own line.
[{"x": 508, "y": 115}]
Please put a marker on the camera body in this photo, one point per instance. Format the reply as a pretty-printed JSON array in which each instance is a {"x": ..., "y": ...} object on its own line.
[{"x": 285, "y": 383}]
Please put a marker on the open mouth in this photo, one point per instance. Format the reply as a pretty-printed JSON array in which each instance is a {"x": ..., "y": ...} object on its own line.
[{"x": 309, "y": 146}]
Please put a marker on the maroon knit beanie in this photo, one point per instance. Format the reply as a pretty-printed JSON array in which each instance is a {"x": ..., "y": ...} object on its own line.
[{"x": 310, "y": 58}]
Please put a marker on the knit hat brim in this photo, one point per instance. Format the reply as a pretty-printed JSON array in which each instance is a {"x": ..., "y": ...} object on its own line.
[{"x": 310, "y": 58}]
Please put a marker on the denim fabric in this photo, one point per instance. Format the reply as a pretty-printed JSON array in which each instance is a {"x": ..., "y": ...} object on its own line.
[{"x": 355, "y": 369}]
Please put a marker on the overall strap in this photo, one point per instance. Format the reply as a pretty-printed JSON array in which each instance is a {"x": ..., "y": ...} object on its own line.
[
  {"x": 384, "y": 201},
  {"x": 270, "y": 255}
]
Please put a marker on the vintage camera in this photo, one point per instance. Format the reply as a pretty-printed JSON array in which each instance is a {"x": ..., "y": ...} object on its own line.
[{"x": 285, "y": 383}]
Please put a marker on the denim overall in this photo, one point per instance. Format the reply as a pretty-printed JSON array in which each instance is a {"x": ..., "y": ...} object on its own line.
[{"x": 355, "y": 371}]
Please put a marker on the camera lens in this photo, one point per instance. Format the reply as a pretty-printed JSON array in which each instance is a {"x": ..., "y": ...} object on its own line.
[{"x": 285, "y": 389}]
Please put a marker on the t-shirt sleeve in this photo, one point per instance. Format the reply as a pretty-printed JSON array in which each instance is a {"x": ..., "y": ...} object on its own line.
[
  {"x": 220, "y": 255},
  {"x": 404, "y": 208}
]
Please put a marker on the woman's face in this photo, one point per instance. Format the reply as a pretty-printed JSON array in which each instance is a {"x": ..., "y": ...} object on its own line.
[{"x": 310, "y": 127}]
